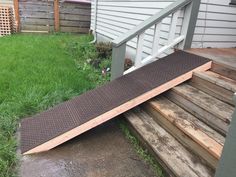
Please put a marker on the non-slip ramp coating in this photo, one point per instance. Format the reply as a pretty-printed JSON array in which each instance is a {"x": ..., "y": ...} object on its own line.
[{"x": 69, "y": 119}]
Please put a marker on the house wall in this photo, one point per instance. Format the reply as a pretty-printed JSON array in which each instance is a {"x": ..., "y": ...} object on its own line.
[
  {"x": 6, "y": 3},
  {"x": 216, "y": 25}
]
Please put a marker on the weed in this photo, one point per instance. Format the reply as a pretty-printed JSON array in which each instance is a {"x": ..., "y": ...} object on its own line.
[{"x": 143, "y": 153}]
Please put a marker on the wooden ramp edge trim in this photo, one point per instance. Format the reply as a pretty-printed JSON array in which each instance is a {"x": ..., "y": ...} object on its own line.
[{"x": 116, "y": 111}]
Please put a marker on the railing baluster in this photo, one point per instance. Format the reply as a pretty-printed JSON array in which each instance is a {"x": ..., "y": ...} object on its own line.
[
  {"x": 156, "y": 38},
  {"x": 173, "y": 26},
  {"x": 138, "y": 58}
]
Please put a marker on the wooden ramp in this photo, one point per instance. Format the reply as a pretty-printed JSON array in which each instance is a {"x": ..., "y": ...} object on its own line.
[{"x": 72, "y": 118}]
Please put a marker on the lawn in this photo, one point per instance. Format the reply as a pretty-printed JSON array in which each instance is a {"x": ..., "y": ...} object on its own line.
[{"x": 37, "y": 72}]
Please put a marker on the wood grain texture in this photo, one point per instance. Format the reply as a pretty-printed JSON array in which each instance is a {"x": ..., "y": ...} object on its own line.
[
  {"x": 56, "y": 16},
  {"x": 210, "y": 110},
  {"x": 215, "y": 85},
  {"x": 182, "y": 126},
  {"x": 224, "y": 70},
  {"x": 53, "y": 15},
  {"x": 17, "y": 17},
  {"x": 174, "y": 157}
]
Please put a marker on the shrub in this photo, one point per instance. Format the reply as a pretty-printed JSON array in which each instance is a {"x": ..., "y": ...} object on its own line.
[{"x": 104, "y": 49}]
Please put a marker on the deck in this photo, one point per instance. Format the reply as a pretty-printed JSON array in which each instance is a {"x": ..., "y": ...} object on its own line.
[{"x": 225, "y": 56}]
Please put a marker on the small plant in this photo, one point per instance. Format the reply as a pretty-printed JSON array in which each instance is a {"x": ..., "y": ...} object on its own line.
[
  {"x": 104, "y": 49},
  {"x": 128, "y": 63},
  {"x": 143, "y": 153}
]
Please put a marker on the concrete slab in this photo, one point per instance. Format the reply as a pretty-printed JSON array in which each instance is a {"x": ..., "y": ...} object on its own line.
[{"x": 101, "y": 152}]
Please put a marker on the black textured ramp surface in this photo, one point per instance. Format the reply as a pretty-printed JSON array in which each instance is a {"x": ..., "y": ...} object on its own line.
[{"x": 71, "y": 114}]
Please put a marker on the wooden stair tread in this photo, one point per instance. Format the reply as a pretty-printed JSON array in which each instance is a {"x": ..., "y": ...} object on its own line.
[
  {"x": 202, "y": 114},
  {"x": 170, "y": 153},
  {"x": 218, "y": 79},
  {"x": 210, "y": 83},
  {"x": 178, "y": 115},
  {"x": 191, "y": 132},
  {"x": 216, "y": 107},
  {"x": 224, "y": 69}
]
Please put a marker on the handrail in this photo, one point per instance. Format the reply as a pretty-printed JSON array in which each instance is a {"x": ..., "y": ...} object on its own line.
[
  {"x": 150, "y": 22},
  {"x": 190, "y": 9}
]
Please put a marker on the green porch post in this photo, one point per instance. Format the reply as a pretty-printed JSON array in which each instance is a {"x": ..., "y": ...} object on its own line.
[{"x": 227, "y": 164}]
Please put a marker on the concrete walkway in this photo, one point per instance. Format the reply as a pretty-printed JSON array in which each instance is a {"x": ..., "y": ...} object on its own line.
[{"x": 101, "y": 152}]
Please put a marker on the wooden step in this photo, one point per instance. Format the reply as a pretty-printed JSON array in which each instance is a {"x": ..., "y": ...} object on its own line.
[
  {"x": 224, "y": 62},
  {"x": 215, "y": 85},
  {"x": 210, "y": 110},
  {"x": 224, "y": 69},
  {"x": 174, "y": 157},
  {"x": 191, "y": 132}
]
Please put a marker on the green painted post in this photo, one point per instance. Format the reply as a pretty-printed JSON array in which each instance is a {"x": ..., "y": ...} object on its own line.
[
  {"x": 118, "y": 61},
  {"x": 227, "y": 164},
  {"x": 189, "y": 23}
]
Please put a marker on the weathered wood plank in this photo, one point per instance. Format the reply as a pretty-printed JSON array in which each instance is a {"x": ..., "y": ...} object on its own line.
[
  {"x": 74, "y": 29},
  {"x": 215, "y": 85},
  {"x": 221, "y": 110},
  {"x": 56, "y": 16},
  {"x": 82, "y": 24},
  {"x": 75, "y": 5},
  {"x": 75, "y": 11},
  {"x": 224, "y": 70},
  {"x": 217, "y": 79},
  {"x": 40, "y": 21},
  {"x": 37, "y": 28},
  {"x": 186, "y": 129},
  {"x": 36, "y": 15},
  {"x": 213, "y": 112},
  {"x": 75, "y": 17},
  {"x": 174, "y": 158},
  {"x": 212, "y": 89},
  {"x": 17, "y": 16}
]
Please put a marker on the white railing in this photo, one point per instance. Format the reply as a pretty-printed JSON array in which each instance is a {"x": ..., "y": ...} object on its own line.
[{"x": 190, "y": 8}]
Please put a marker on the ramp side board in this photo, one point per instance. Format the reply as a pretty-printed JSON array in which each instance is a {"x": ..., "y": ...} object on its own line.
[{"x": 41, "y": 144}]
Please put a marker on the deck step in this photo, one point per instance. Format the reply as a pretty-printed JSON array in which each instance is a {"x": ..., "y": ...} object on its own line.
[
  {"x": 224, "y": 69},
  {"x": 174, "y": 157},
  {"x": 210, "y": 110},
  {"x": 190, "y": 131},
  {"x": 215, "y": 85}
]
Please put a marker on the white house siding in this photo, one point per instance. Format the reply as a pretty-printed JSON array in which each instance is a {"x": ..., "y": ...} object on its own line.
[
  {"x": 6, "y": 3},
  {"x": 216, "y": 25},
  {"x": 116, "y": 17}
]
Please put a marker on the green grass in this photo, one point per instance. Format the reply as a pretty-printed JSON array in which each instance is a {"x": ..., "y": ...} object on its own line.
[
  {"x": 142, "y": 152},
  {"x": 37, "y": 72}
]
